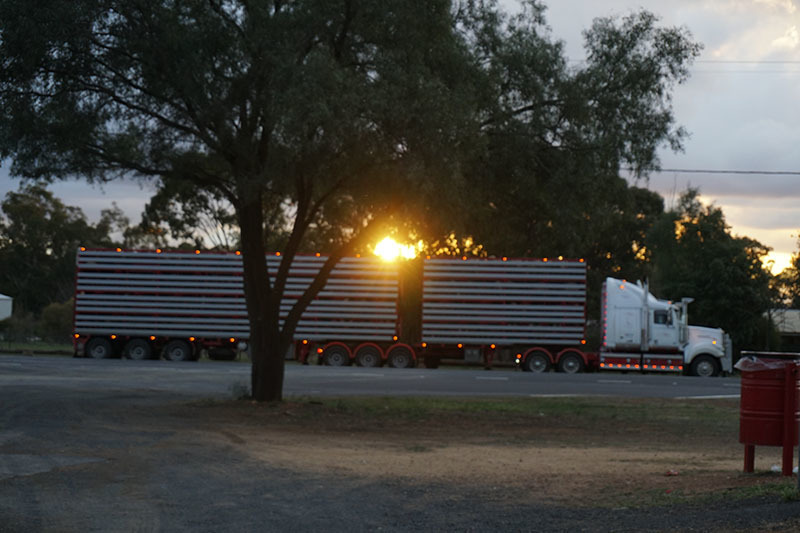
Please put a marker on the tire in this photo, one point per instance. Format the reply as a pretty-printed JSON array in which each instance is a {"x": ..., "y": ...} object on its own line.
[
  {"x": 704, "y": 366},
  {"x": 571, "y": 363},
  {"x": 178, "y": 350},
  {"x": 368, "y": 356},
  {"x": 400, "y": 357},
  {"x": 537, "y": 362},
  {"x": 138, "y": 350},
  {"x": 99, "y": 348},
  {"x": 335, "y": 355}
]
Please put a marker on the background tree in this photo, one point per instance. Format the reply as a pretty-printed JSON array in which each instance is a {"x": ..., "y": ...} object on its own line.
[
  {"x": 259, "y": 103},
  {"x": 694, "y": 255},
  {"x": 559, "y": 137},
  {"x": 39, "y": 237},
  {"x": 787, "y": 283}
]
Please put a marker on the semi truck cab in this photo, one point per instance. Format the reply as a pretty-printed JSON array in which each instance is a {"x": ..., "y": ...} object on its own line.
[{"x": 642, "y": 332}]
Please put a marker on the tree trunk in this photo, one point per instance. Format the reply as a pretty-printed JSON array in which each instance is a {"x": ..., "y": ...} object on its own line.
[{"x": 263, "y": 306}]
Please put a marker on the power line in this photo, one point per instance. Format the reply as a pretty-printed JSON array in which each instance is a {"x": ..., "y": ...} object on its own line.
[
  {"x": 749, "y": 62},
  {"x": 715, "y": 171}
]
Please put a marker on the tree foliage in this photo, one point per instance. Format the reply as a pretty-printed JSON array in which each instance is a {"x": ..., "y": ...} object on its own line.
[
  {"x": 307, "y": 103},
  {"x": 559, "y": 137},
  {"x": 695, "y": 255},
  {"x": 788, "y": 282},
  {"x": 39, "y": 237}
]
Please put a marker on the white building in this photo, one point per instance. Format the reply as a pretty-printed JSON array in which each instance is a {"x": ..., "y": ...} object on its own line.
[
  {"x": 787, "y": 321},
  {"x": 5, "y": 306}
]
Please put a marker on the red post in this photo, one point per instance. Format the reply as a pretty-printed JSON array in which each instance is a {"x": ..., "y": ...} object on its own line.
[
  {"x": 789, "y": 429},
  {"x": 749, "y": 458}
]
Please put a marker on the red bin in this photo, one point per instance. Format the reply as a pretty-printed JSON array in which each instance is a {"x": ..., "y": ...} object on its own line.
[{"x": 769, "y": 410}]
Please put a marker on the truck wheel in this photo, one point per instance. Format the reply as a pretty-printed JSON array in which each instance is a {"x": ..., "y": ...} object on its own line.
[
  {"x": 537, "y": 362},
  {"x": 704, "y": 366},
  {"x": 336, "y": 355},
  {"x": 400, "y": 357},
  {"x": 99, "y": 348},
  {"x": 570, "y": 363},
  {"x": 368, "y": 356},
  {"x": 178, "y": 350},
  {"x": 138, "y": 350}
]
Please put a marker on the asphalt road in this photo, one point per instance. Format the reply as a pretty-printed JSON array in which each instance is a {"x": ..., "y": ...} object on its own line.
[{"x": 231, "y": 378}]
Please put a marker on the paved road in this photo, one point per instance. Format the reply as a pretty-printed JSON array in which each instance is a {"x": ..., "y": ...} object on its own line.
[{"x": 226, "y": 378}]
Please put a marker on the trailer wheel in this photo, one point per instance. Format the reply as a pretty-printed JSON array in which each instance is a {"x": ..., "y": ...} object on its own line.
[
  {"x": 570, "y": 363},
  {"x": 99, "y": 348},
  {"x": 400, "y": 357},
  {"x": 704, "y": 366},
  {"x": 537, "y": 362},
  {"x": 368, "y": 355},
  {"x": 336, "y": 355},
  {"x": 178, "y": 350},
  {"x": 138, "y": 350}
]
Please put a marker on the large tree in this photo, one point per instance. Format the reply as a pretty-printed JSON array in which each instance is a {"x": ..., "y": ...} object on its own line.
[
  {"x": 695, "y": 255},
  {"x": 561, "y": 135},
  {"x": 787, "y": 283},
  {"x": 39, "y": 237},
  {"x": 259, "y": 103}
]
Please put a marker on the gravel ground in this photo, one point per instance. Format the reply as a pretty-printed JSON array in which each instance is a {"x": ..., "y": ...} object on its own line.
[{"x": 75, "y": 459}]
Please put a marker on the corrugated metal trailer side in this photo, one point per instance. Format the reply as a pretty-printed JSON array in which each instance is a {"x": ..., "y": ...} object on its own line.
[
  {"x": 141, "y": 303},
  {"x": 536, "y": 309}
]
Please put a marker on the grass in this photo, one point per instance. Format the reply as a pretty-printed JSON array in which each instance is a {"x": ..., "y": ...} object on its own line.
[
  {"x": 578, "y": 410},
  {"x": 36, "y": 347},
  {"x": 774, "y": 488}
]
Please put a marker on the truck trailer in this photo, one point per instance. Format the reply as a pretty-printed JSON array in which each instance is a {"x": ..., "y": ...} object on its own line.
[{"x": 175, "y": 304}]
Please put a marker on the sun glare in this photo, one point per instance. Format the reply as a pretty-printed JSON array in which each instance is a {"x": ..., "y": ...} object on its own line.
[{"x": 390, "y": 250}]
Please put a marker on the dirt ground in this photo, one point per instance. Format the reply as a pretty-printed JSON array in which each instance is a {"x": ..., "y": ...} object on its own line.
[
  {"x": 110, "y": 460},
  {"x": 611, "y": 462}
]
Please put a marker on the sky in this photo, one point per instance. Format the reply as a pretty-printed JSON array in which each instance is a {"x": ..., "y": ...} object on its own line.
[{"x": 741, "y": 107}]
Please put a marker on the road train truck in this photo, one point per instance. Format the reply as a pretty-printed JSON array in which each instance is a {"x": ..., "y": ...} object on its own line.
[{"x": 143, "y": 304}]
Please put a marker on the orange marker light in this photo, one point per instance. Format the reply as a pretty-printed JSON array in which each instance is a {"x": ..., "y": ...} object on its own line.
[
  {"x": 152, "y": 337},
  {"x": 492, "y": 346},
  {"x": 191, "y": 339},
  {"x": 424, "y": 344},
  {"x": 113, "y": 337},
  {"x": 83, "y": 249},
  {"x": 197, "y": 252},
  {"x": 76, "y": 335},
  {"x": 119, "y": 249},
  {"x": 319, "y": 350},
  {"x": 238, "y": 252},
  {"x": 232, "y": 339},
  {"x": 394, "y": 338},
  {"x": 460, "y": 345},
  {"x": 277, "y": 254},
  {"x": 158, "y": 250},
  {"x": 305, "y": 341}
]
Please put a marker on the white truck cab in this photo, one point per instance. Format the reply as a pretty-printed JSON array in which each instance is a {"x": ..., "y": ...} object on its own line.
[{"x": 641, "y": 332}]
